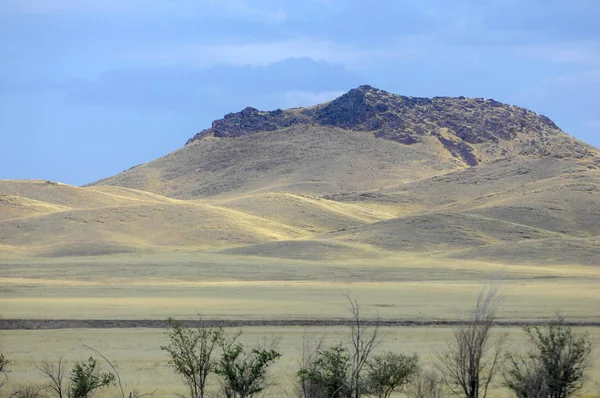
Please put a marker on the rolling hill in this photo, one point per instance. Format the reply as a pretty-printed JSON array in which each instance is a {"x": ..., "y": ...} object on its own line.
[{"x": 368, "y": 175}]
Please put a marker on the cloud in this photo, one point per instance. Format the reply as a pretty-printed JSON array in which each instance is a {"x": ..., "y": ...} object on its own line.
[
  {"x": 295, "y": 99},
  {"x": 292, "y": 82},
  {"x": 579, "y": 91},
  {"x": 196, "y": 8},
  {"x": 586, "y": 53},
  {"x": 246, "y": 8},
  {"x": 68, "y": 6},
  {"x": 255, "y": 53}
]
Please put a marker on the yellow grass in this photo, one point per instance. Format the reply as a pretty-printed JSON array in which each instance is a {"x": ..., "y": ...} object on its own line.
[
  {"x": 156, "y": 286},
  {"x": 142, "y": 365}
]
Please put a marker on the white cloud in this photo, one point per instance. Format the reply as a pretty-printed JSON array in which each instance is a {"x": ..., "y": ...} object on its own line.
[
  {"x": 244, "y": 7},
  {"x": 254, "y": 53},
  {"x": 576, "y": 52},
  {"x": 578, "y": 93},
  {"x": 238, "y": 8},
  {"x": 294, "y": 99},
  {"x": 64, "y": 6}
]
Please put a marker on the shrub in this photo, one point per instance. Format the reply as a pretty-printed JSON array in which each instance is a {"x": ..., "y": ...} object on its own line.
[
  {"x": 29, "y": 391},
  {"x": 328, "y": 376},
  {"x": 191, "y": 353},
  {"x": 243, "y": 374},
  {"x": 425, "y": 385},
  {"x": 473, "y": 358},
  {"x": 86, "y": 377},
  {"x": 556, "y": 366},
  {"x": 389, "y": 372}
]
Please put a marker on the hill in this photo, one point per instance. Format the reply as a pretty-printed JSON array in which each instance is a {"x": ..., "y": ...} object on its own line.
[
  {"x": 366, "y": 139},
  {"x": 367, "y": 175}
]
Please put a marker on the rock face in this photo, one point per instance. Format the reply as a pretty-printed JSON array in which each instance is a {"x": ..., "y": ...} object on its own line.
[{"x": 459, "y": 124}]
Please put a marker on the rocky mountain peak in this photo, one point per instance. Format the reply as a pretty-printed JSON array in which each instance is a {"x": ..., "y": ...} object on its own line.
[{"x": 460, "y": 124}]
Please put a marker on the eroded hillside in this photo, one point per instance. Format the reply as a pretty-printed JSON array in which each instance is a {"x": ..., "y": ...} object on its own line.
[{"x": 368, "y": 175}]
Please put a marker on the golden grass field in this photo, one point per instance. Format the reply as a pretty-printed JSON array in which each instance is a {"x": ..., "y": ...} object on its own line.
[
  {"x": 279, "y": 225},
  {"x": 155, "y": 286},
  {"x": 143, "y": 366},
  {"x": 187, "y": 285}
]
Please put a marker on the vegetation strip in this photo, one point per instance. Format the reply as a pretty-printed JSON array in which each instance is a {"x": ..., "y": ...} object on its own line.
[{"x": 34, "y": 324}]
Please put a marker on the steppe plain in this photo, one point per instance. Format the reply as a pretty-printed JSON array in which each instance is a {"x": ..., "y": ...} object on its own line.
[{"x": 265, "y": 221}]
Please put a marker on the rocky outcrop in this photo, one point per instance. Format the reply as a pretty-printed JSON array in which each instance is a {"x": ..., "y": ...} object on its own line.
[{"x": 458, "y": 123}]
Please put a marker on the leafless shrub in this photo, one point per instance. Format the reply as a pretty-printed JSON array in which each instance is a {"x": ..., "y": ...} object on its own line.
[
  {"x": 55, "y": 375},
  {"x": 309, "y": 355},
  {"x": 426, "y": 384},
  {"x": 473, "y": 358},
  {"x": 29, "y": 391},
  {"x": 364, "y": 339}
]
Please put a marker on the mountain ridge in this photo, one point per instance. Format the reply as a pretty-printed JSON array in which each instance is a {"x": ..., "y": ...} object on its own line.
[
  {"x": 367, "y": 175},
  {"x": 407, "y": 120}
]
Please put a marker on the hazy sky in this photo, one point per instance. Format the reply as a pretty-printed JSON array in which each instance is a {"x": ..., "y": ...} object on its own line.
[{"x": 89, "y": 88}]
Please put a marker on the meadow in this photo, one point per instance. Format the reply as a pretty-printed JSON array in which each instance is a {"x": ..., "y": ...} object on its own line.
[
  {"x": 188, "y": 285},
  {"x": 143, "y": 366}
]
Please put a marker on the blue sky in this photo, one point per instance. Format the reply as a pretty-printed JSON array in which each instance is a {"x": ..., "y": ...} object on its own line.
[{"x": 89, "y": 88}]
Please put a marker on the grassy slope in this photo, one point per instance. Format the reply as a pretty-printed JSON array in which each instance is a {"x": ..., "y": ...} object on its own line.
[
  {"x": 517, "y": 209},
  {"x": 301, "y": 159}
]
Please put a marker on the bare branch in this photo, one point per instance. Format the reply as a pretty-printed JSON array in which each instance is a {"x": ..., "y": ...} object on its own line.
[
  {"x": 55, "y": 375},
  {"x": 472, "y": 359},
  {"x": 364, "y": 340}
]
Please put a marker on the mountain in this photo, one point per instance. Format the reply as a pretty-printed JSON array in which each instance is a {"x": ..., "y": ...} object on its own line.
[
  {"x": 368, "y": 175},
  {"x": 364, "y": 140}
]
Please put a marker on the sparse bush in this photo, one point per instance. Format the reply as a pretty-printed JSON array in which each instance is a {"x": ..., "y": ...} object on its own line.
[
  {"x": 389, "y": 372},
  {"x": 191, "y": 354},
  {"x": 308, "y": 357},
  {"x": 473, "y": 358},
  {"x": 243, "y": 374},
  {"x": 4, "y": 363},
  {"x": 86, "y": 377},
  {"x": 328, "y": 375},
  {"x": 425, "y": 385},
  {"x": 55, "y": 376},
  {"x": 29, "y": 391},
  {"x": 339, "y": 371},
  {"x": 364, "y": 339},
  {"x": 555, "y": 368}
]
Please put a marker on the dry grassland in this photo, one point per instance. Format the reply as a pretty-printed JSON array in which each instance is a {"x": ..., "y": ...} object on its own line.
[
  {"x": 143, "y": 366},
  {"x": 226, "y": 287}
]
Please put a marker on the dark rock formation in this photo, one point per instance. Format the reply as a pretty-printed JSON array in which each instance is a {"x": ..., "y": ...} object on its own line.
[{"x": 406, "y": 120}]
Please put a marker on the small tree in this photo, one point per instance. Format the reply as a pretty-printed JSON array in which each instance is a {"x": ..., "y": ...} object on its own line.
[
  {"x": 473, "y": 358},
  {"x": 526, "y": 378},
  {"x": 243, "y": 374},
  {"x": 390, "y": 372},
  {"x": 555, "y": 368},
  {"x": 4, "y": 363},
  {"x": 86, "y": 377},
  {"x": 191, "y": 353},
  {"x": 364, "y": 340},
  {"x": 328, "y": 375}
]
